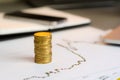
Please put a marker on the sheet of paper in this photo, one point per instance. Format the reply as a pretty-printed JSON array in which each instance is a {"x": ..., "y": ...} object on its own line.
[
  {"x": 108, "y": 74},
  {"x": 75, "y": 54}
]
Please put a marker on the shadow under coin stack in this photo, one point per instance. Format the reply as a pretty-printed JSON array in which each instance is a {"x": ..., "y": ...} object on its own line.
[{"x": 42, "y": 43}]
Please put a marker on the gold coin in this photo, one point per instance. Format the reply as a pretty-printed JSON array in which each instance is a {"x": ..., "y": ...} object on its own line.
[
  {"x": 39, "y": 39},
  {"x": 42, "y": 47},
  {"x": 42, "y": 35},
  {"x": 43, "y": 52},
  {"x": 43, "y": 60},
  {"x": 43, "y": 55},
  {"x": 118, "y": 78},
  {"x": 42, "y": 42}
]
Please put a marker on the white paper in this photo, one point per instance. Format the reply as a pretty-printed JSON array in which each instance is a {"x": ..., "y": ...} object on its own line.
[
  {"x": 68, "y": 47},
  {"x": 108, "y": 74}
]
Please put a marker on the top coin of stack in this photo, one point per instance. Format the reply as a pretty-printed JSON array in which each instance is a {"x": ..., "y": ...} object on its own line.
[{"x": 42, "y": 43}]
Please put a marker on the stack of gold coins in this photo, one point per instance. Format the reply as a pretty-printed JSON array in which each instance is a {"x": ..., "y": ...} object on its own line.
[{"x": 42, "y": 44}]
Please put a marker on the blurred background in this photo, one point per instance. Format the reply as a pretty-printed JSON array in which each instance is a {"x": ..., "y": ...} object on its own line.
[
  {"x": 10, "y": 5},
  {"x": 104, "y": 14}
]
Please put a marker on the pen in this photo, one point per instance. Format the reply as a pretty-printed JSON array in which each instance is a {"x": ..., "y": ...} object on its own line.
[{"x": 41, "y": 19}]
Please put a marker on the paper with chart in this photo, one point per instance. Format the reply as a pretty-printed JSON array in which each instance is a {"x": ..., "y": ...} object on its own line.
[{"x": 74, "y": 56}]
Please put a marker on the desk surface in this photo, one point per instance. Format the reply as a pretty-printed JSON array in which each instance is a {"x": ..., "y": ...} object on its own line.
[{"x": 102, "y": 17}]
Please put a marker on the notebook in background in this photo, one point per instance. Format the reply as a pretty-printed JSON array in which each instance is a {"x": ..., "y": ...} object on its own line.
[{"x": 12, "y": 26}]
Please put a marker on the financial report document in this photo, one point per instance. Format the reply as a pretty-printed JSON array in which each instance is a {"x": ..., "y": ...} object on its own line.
[{"x": 76, "y": 55}]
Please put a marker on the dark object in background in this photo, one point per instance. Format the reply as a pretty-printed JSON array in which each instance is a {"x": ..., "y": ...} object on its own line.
[
  {"x": 71, "y": 3},
  {"x": 41, "y": 19}
]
